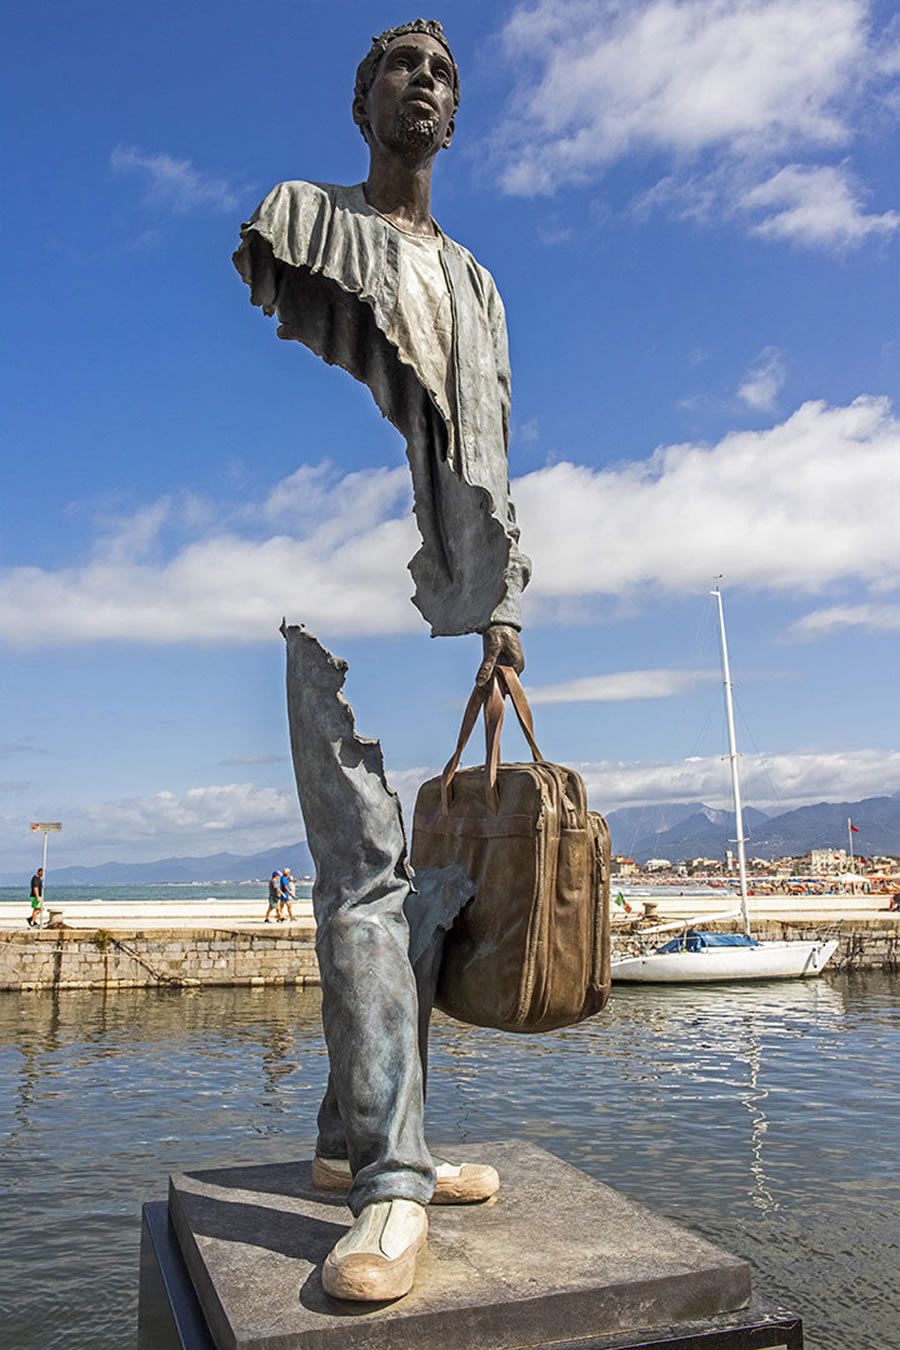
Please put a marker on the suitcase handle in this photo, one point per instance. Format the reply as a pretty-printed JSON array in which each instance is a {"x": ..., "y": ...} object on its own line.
[
  {"x": 489, "y": 699},
  {"x": 513, "y": 687}
]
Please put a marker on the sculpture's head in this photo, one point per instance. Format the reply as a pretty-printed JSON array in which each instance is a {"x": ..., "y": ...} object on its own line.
[{"x": 407, "y": 88}]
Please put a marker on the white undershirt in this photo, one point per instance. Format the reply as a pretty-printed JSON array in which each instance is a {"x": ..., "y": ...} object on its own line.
[{"x": 423, "y": 320}]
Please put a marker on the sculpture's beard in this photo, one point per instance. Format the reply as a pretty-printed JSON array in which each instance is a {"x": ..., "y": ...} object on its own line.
[{"x": 415, "y": 133}]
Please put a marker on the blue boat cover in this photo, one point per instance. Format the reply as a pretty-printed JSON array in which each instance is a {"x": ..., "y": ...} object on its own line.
[{"x": 694, "y": 941}]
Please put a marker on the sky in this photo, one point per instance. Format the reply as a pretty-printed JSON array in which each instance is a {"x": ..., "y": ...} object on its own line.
[{"x": 691, "y": 210}]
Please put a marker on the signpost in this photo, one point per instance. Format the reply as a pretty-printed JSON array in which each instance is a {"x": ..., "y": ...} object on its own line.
[{"x": 44, "y": 827}]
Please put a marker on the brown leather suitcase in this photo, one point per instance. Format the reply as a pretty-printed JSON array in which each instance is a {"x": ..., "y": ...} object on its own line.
[{"x": 531, "y": 951}]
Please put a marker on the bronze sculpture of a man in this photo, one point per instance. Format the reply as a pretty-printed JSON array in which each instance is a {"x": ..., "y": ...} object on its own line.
[{"x": 365, "y": 278}]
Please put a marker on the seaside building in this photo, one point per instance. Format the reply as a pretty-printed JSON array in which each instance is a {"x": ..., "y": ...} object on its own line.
[
  {"x": 703, "y": 866},
  {"x": 824, "y": 860}
]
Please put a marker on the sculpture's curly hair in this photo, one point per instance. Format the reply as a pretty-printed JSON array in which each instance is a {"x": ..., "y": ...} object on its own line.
[{"x": 368, "y": 67}]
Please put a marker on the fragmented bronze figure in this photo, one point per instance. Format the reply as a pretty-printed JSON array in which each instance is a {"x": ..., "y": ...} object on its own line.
[{"x": 365, "y": 278}]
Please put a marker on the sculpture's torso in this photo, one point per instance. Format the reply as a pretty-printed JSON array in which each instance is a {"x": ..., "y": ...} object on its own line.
[{"x": 361, "y": 293}]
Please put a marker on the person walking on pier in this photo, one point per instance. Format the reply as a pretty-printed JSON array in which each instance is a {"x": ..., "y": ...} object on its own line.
[
  {"x": 274, "y": 895},
  {"x": 287, "y": 895},
  {"x": 37, "y": 898},
  {"x": 274, "y": 899}
]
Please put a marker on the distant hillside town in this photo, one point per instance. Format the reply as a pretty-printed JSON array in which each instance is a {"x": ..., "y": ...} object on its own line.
[
  {"x": 819, "y": 862},
  {"x": 818, "y": 869}
]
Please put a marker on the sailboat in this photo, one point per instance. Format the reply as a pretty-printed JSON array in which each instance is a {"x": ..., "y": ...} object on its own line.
[{"x": 698, "y": 956}]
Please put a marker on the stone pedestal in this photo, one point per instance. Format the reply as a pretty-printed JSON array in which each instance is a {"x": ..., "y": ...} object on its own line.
[{"x": 556, "y": 1257}]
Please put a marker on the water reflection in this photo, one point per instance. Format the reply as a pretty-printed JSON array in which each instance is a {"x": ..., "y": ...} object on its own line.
[{"x": 744, "y": 1112}]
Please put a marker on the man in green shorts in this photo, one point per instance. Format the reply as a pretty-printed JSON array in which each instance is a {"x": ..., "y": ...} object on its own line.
[{"x": 37, "y": 898}]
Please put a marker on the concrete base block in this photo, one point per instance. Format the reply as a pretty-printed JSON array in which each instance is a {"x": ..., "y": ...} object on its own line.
[
  {"x": 169, "y": 1315},
  {"x": 554, "y": 1257}
]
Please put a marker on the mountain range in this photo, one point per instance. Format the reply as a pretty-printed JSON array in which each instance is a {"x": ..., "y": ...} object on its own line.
[
  {"x": 218, "y": 867},
  {"x": 675, "y": 830},
  {"x": 692, "y": 830}
]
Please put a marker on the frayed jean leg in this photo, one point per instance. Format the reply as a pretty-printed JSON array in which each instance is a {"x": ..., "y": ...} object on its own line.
[{"x": 370, "y": 1007}]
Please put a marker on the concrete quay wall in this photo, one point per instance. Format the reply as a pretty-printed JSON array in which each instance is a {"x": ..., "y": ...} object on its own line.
[{"x": 78, "y": 959}]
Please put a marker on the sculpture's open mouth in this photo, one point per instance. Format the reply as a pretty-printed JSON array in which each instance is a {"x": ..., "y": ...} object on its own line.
[{"x": 424, "y": 100}]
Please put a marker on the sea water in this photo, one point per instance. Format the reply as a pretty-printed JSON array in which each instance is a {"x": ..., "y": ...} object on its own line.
[
  {"x": 156, "y": 894},
  {"x": 762, "y": 1117},
  {"x": 160, "y": 892}
]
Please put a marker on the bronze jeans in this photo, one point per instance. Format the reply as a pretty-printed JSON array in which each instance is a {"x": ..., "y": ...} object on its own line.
[{"x": 378, "y": 937}]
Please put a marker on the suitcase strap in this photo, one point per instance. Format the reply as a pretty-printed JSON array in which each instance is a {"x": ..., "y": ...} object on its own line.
[{"x": 489, "y": 699}]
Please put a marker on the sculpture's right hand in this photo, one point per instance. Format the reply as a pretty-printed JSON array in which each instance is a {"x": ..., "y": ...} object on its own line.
[{"x": 502, "y": 647}]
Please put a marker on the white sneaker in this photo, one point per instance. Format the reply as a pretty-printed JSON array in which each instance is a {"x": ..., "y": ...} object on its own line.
[
  {"x": 457, "y": 1184},
  {"x": 376, "y": 1260}
]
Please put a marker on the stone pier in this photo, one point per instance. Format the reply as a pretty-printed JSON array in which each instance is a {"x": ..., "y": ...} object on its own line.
[{"x": 105, "y": 958}]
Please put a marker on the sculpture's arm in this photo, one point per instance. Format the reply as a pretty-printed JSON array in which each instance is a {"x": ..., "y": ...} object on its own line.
[{"x": 501, "y": 639}]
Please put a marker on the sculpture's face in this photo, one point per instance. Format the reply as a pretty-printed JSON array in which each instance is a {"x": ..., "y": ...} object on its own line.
[{"x": 410, "y": 104}]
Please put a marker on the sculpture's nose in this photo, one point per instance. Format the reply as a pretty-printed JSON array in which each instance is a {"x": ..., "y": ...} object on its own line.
[{"x": 422, "y": 75}]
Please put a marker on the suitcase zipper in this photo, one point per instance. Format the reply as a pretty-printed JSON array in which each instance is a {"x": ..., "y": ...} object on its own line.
[
  {"x": 599, "y": 903},
  {"x": 542, "y": 888}
]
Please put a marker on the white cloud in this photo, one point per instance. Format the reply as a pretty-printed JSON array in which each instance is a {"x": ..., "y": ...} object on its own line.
[
  {"x": 340, "y": 569},
  {"x": 723, "y": 91},
  {"x": 678, "y": 77},
  {"x": 214, "y": 811},
  {"x": 873, "y": 617},
  {"x": 20, "y": 747},
  {"x": 525, "y": 433},
  {"x": 406, "y": 784},
  {"x": 611, "y": 79},
  {"x": 218, "y": 818},
  {"x": 698, "y": 196},
  {"x": 799, "y": 779},
  {"x": 762, "y": 383},
  {"x": 806, "y": 503},
  {"x": 251, "y": 761},
  {"x": 174, "y": 183},
  {"x": 243, "y": 818},
  {"x": 340, "y": 505},
  {"x": 815, "y": 205},
  {"x": 620, "y": 686}
]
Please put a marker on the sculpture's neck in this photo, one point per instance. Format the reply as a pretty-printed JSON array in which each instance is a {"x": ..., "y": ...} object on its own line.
[{"x": 401, "y": 190}]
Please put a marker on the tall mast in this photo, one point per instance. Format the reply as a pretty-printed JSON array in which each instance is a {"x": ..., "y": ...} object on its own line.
[{"x": 733, "y": 757}]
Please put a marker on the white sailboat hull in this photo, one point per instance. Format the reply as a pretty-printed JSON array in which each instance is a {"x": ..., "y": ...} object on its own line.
[{"x": 766, "y": 961}]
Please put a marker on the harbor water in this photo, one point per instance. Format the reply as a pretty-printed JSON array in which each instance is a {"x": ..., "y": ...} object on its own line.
[{"x": 763, "y": 1117}]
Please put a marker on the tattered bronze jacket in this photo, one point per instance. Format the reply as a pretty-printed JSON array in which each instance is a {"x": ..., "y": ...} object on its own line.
[{"x": 327, "y": 264}]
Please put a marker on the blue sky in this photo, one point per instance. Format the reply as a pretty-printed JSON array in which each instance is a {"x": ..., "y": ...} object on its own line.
[{"x": 691, "y": 211}]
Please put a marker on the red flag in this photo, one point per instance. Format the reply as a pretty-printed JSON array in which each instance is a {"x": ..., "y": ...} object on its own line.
[{"x": 854, "y": 829}]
